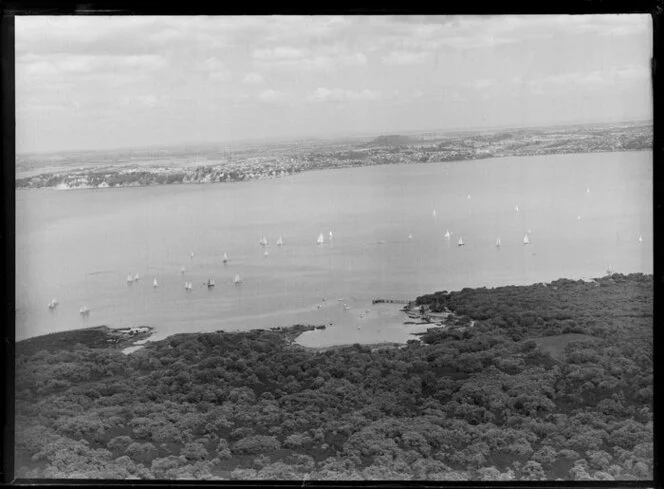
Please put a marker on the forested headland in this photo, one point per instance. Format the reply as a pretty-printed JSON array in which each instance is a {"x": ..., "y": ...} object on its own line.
[{"x": 548, "y": 381}]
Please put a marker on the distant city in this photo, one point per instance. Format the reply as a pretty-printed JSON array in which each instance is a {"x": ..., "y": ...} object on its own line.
[{"x": 198, "y": 164}]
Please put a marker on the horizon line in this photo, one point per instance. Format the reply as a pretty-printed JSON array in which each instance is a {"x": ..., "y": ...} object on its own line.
[{"x": 331, "y": 137}]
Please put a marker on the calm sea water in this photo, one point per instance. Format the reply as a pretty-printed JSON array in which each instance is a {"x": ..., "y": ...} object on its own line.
[{"x": 79, "y": 246}]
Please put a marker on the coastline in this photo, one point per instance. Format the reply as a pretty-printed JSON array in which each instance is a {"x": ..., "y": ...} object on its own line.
[
  {"x": 227, "y": 401},
  {"x": 156, "y": 183}
]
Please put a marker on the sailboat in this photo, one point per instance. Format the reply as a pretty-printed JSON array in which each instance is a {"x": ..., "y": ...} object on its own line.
[
  {"x": 84, "y": 311},
  {"x": 192, "y": 255},
  {"x": 498, "y": 243},
  {"x": 188, "y": 286},
  {"x": 53, "y": 304},
  {"x": 587, "y": 190},
  {"x": 410, "y": 236},
  {"x": 210, "y": 283},
  {"x": 434, "y": 213},
  {"x": 640, "y": 239},
  {"x": 516, "y": 208},
  {"x": 265, "y": 254},
  {"x": 237, "y": 280},
  {"x": 280, "y": 241},
  {"x": 154, "y": 282},
  {"x": 136, "y": 277},
  {"x": 130, "y": 279},
  {"x": 330, "y": 235},
  {"x": 225, "y": 259},
  {"x": 468, "y": 196},
  {"x": 263, "y": 241},
  {"x": 460, "y": 242},
  {"x": 321, "y": 239},
  {"x": 447, "y": 234},
  {"x": 525, "y": 239},
  {"x": 182, "y": 270}
]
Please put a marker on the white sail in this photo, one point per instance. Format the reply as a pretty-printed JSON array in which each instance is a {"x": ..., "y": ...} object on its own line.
[
  {"x": 460, "y": 242},
  {"x": 225, "y": 259},
  {"x": 192, "y": 254},
  {"x": 410, "y": 236},
  {"x": 154, "y": 282},
  {"x": 447, "y": 233},
  {"x": 85, "y": 311},
  {"x": 640, "y": 239},
  {"x": 434, "y": 213},
  {"x": 280, "y": 241},
  {"x": 321, "y": 239},
  {"x": 263, "y": 241},
  {"x": 498, "y": 243},
  {"x": 237, "y": 279},
  {"x": 526, "y": 240},
  {"x": 52, "y": 304},
  {"x": 265, "y": 254},
  {"x": 330, "y": 235},
  {"x": 136, "y": 277},
  {"x": 182, "y": 270},
  {"x": 468, "y": 196},
  {"x": 587, "y": 190},
  {"x": 516, "y": 208},
  {"x": 130, "y": 279}
]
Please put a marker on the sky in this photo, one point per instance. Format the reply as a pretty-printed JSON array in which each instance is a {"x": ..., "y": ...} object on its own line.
[{"x": 105, "y": 82}]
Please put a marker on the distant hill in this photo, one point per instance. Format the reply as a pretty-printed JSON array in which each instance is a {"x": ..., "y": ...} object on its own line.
[{"x": 393, "y": 140}]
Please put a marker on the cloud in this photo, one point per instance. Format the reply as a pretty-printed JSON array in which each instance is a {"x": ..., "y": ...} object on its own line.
[
  {"x": 341, "y": 95},
  {"x": 481, "y": 83},
  {"x": 305, "y": 60},
  {"x": 625, "y": 74},
  {"x": 405, "y": 58},
  {"x": 272, "y": 96},
  {"x": 215, "y": 69},
  {"x": 279, "y": 53},
  {"x": 77, "y": 64},
  {"x": 150, "y": 101},
  {"x": 253, "y": 78}
]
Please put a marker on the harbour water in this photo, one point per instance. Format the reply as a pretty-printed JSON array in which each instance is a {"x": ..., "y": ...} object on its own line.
[{"x": 582, "y": 212}]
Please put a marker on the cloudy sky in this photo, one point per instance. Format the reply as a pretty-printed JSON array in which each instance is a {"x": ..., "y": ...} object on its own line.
[{"x": 110, "y": 82}]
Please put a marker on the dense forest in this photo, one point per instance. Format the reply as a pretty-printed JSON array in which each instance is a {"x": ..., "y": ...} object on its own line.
[{"x": 549, "y": 381}]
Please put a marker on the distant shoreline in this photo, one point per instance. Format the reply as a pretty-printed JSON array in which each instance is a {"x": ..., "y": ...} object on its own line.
[
  {"x": 192, "y": 183},
  {"x": 217, "y": 166}
]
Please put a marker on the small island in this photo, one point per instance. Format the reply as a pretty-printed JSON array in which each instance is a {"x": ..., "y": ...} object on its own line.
[{"x": 547, "y": 381}]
